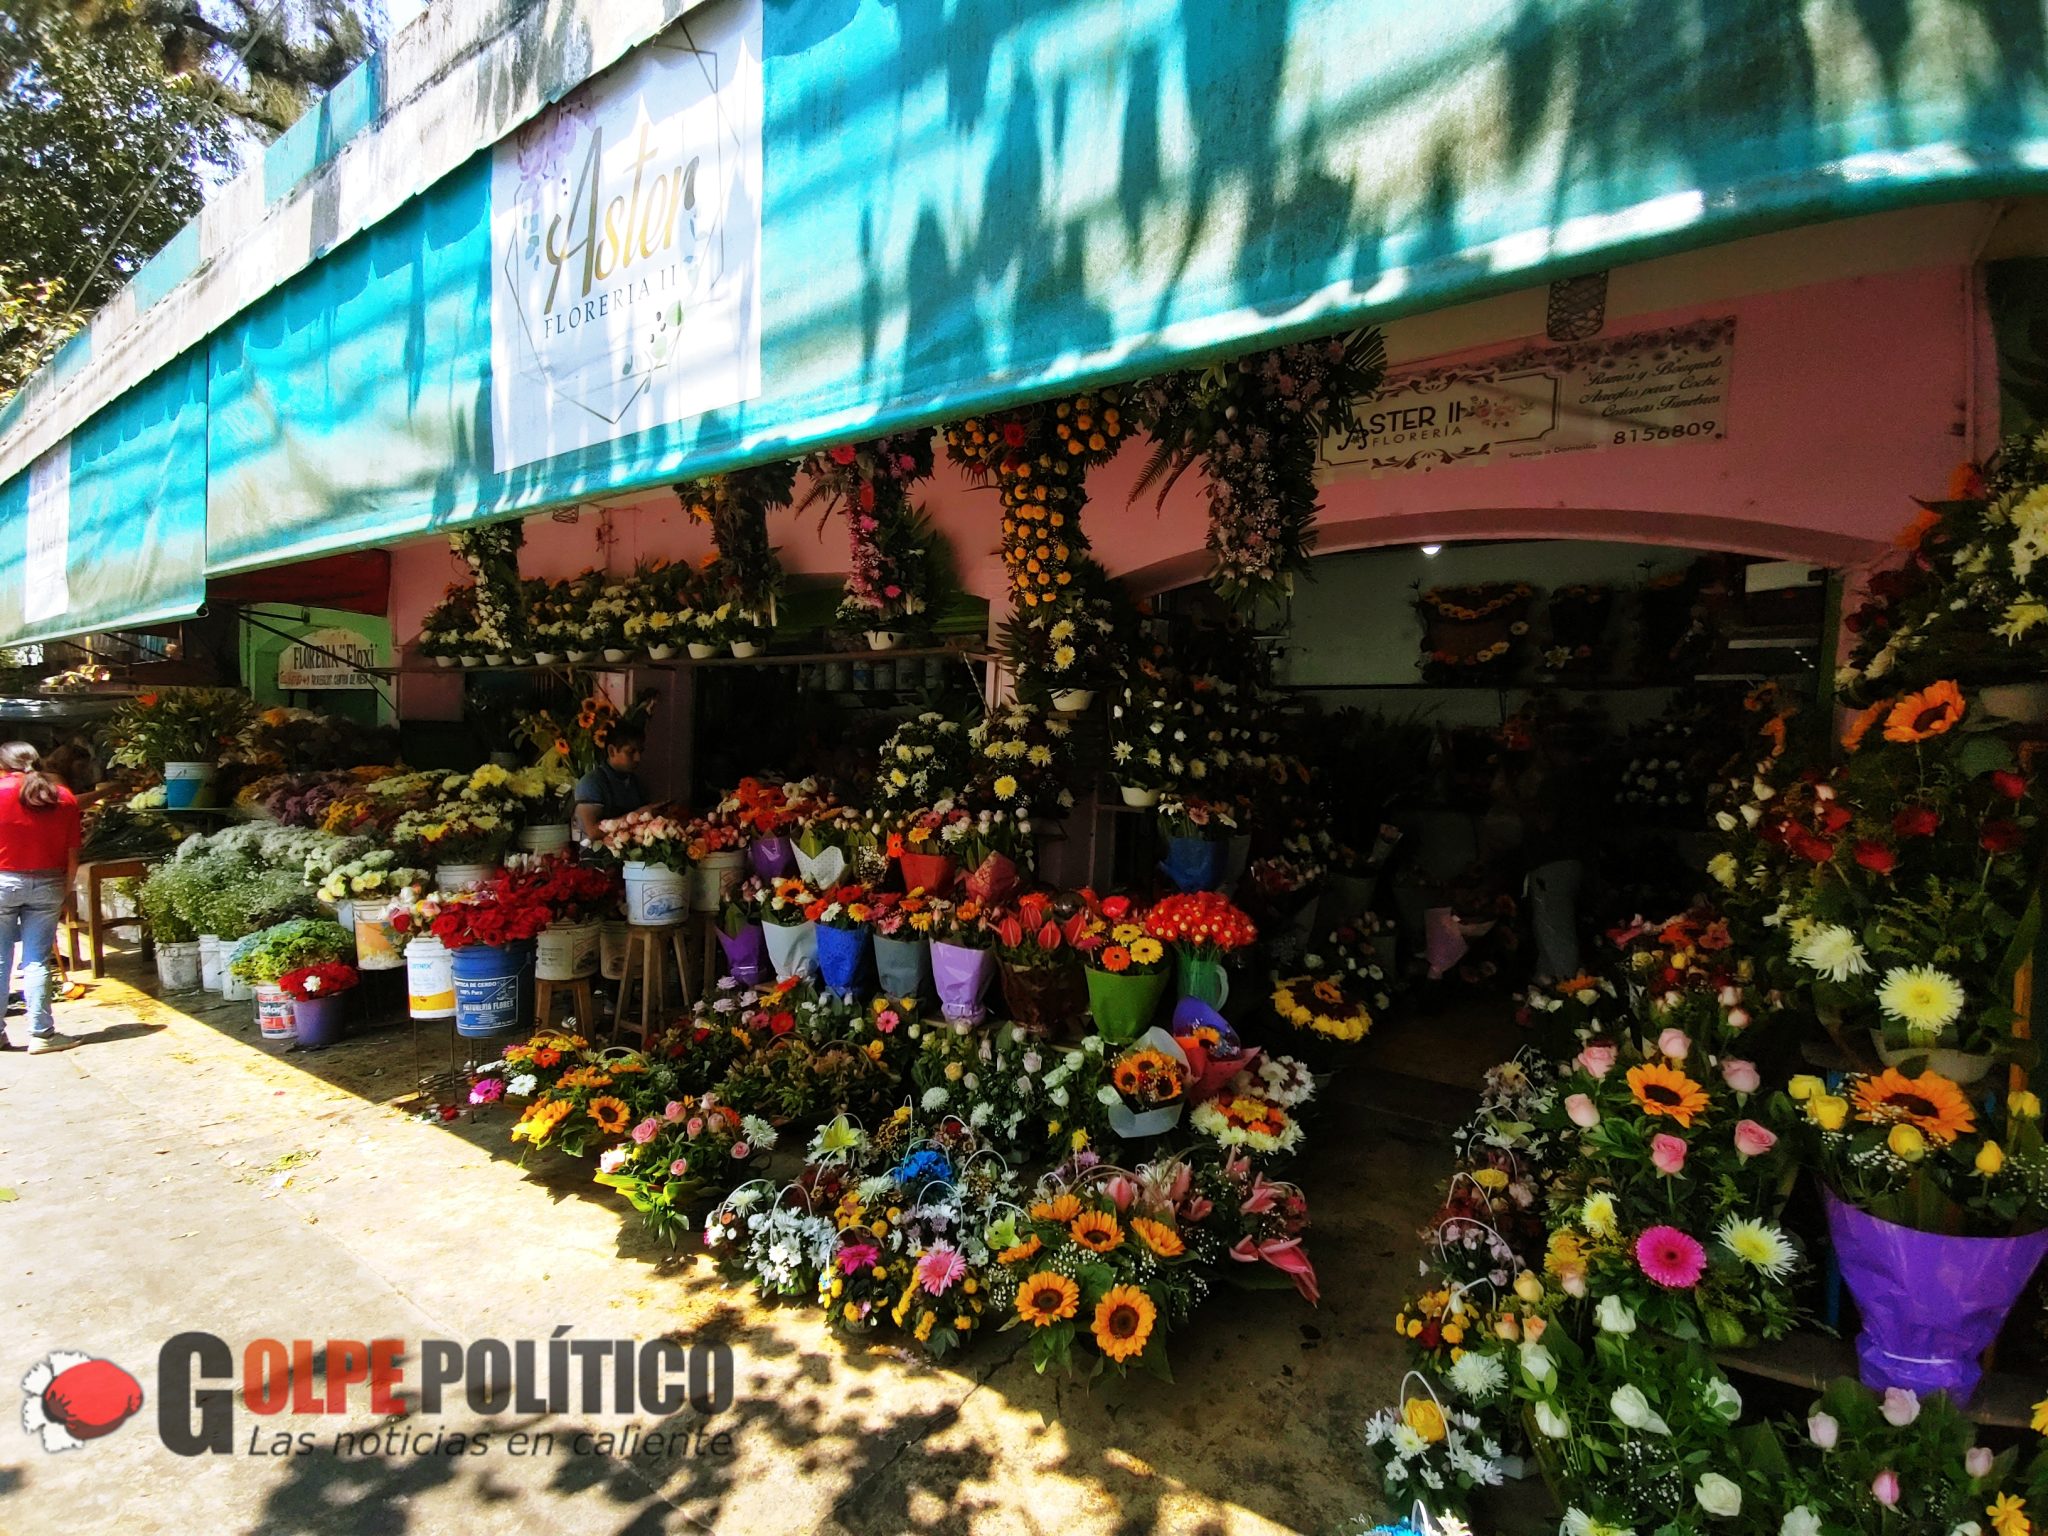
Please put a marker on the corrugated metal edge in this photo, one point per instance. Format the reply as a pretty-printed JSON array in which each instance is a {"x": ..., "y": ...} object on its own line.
[{"x": 453, "y": 86}]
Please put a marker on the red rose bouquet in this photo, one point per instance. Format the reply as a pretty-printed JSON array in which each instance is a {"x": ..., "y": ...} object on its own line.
[{"x": 325, "y": 979}]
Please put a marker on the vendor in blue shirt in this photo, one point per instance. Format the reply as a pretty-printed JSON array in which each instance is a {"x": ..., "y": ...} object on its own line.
[{"x": 612, "y": 788}]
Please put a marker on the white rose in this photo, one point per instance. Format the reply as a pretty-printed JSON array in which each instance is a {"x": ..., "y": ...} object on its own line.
[
  {"x": 1718, "y": 1496},
  {"x": 1552, "y": 1421}
]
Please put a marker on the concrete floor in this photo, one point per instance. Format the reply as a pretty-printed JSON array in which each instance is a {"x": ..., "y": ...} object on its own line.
[{"x": 172, "y": 1174}]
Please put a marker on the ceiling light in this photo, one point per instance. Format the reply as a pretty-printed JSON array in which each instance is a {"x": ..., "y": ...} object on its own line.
[{"x": 1432, "y": 549}]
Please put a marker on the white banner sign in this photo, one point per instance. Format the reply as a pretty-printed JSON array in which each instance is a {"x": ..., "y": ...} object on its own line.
[
  {"x": 327, "y": 658},
  {"x": 1651, "y": 387},
  {"x": 46, "y": 570},
  {"x": 626, "y": 238}
]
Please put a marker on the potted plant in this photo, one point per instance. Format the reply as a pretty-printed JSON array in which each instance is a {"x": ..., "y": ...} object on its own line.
[
  {"x": 161, "y": 897},
  {"x": 460, "y": 843},
  {"x": 1125, "y": 969},
  {"x": 843, "y": 939},
  {"x": 963, "y": 959},
  {"x": 902, "y": 927},
  {"x": 1038, "y": 963},
  {"x": 369, "y": 883},
  {"x": 718, "y": 861},
  {"x": 928, "y": 845},
  {"x": 180, "y": 732},
  {"x": 1140, "y": 744},
  {"x": 786, "y": 928},
  {"x": 1938, "y": 1215},
  {"x": 740, "y": 936},
  {"x": 653, "y": 850},
  {"x": 1194, "y": 829},
  {"x": 319, "y": 994},
  {"x": 923, "y": 763},
  {"x": 489, "y": 932},
  {"x": 1203, "y": 927},
  {"x": 263, "y": 957}
]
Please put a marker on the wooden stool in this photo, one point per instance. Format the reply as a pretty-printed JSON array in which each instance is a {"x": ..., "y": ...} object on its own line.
[
  {"x": 582, "y": 997},
  {"x": 95, "y": 920},
  {"x": 647, "y": 954}
]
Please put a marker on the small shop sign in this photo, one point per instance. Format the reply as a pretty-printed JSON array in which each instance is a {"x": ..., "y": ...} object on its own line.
[
  {"x": 1650, "y": 387},
  {"x": 327, "y": 658}
]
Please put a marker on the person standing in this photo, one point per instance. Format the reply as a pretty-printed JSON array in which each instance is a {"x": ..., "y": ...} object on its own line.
[
  {"x": 613, "y": 787},
  {"x": 39, "y": 838}
]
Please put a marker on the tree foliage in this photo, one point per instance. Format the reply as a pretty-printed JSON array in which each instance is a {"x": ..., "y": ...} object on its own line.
[{"x": 115, "y": 116}]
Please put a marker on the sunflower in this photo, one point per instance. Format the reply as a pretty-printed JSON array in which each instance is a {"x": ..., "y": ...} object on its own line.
[
  {"x": 1047, "y": 1298},
  {"x": 1930, "y": 1103},
  {"x": 1022, "y": 1251},
  {"x": 610, "y": 1114},
  {"x": 1328, "y": 991},
  {"x": 1158, "y": 1236},
  {"x": 1926, "y": 714},
  {"x": 1123, "y": 1321},
  {"x": 1062, "y": 1208},
  {"x": 1097, "y": 1231},
  {"x": 1664, "y": 1090}
]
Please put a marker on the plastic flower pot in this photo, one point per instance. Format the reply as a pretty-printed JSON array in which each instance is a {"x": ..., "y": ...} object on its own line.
[
  {"x": 771, "y": 856},
  {"x": 842, "y": 958},
  {"x": 1965, "y": 1067},
  {"x": 742, "y": 649},
  {"x": 1122, "y": 1004},
  {"x": 656, "y": 896},
  {"x": 210, "y": 958},
  {"x": 746, "y": 955},
  {"x": 377, "y": 944},
  {"x": 492, "y": 995},
  {"x": 883, "y": 639},
  {"x": 931, "y": 873},
  {"x": 552, "y": 838},
  {"x": 429, "y": 979},
  {"x": 232, "y": 988},
  {"x": 614, "y": 654},
  {"x": 660, "y": 652},
  {"x": 902, "y": 966},
  {"x": 713, "y": 877},
  {"x": 320, "y": 1021},
  {"x": 992, "y": 880},
  {"x": 1931, "y": 1303},
  {"x": 186, "y": 784},
  {"x": 792, "y": 948},
  {"x": 699, "y": 651},
  {"x": 1193, "y": 863},
  {"x": 275, "y": 1018},
  {"x": 1202, "y": 977},
  {"x": 450, "y": 878},
  {"x": 1071, "y": 701},
  {"x": 1136, "y": 798},
  {"x": 961, "y": 973},
  {"x": 821, "y": 870},
  {"x": 1048, "y": 1000}
]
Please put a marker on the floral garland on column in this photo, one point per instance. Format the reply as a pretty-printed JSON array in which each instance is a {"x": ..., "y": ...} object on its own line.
[
  {"x": 491, "y": 551},
  {"x": 1039, "y": 456},
  {"x": 893, "y": 549},
  {"x": 736, "y": 506},
  {"x": 1256, "y": 426}
]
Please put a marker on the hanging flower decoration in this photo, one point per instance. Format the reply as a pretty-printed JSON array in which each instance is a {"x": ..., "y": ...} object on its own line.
[
  {"x": 491, "y": 551},
  {"x": 895, "y": 554},
  {"x": 736, "y": 506},
  {"x": 1039, "y": 456},
  {"x": 1256, "y": 426}
]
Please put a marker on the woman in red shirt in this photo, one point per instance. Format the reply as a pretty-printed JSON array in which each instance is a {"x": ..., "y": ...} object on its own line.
[{"x": 39, "y": 836}]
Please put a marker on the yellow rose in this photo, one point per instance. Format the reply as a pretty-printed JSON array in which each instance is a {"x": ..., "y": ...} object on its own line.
[
  {"x": 2026, "y": 1105},
  {"x": 1529, "y": 1287},
  {"x": 1990, "y": 1158},
  {"x": 1907, "y": 1142},
  {"x": 1425, "y": 1418},
  {"x": 1828, "y": 1111},
  {"x": 1805, "y": 1086},
  {"x": 1490, "y": 1178}
]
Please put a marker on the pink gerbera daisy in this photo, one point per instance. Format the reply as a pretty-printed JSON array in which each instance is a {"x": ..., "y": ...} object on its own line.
[
  {"x": 940, "y": 1268},
  {"x": 1671, "y": 1258},
  {"x": 855, "y": 1257}
]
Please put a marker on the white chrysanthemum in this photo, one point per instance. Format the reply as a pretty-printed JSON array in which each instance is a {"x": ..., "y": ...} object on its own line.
[
  {"x": 1478, "y": 1376},
  {"x": 1722, "y": 868},
  {"x": 1759, "y": 1244},
  {"x": 1833, "y": 951},
  {"x": 1924, "y": 999}
]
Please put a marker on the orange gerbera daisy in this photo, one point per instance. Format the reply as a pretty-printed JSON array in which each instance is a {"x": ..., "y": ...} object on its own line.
[
  {"x": 1158, "y": 1236},
  {"x": 1062, "y": 1207},
  {"x": 1930, "y": 1103},
  {"x": 1021, "y": 1252},
  {"x": 1097, "y": 1231},
  {"x": 1047, "y": 1298},
  {"x": 1926, "y": 714},
  {"x": 1860, "y": 723},
  {"x": 610, "y": 1114},
  {"x": 1123, "y": 1321},
  {"x": 1664, "y": 1090},
  {"x": 1116, "y": 958}
]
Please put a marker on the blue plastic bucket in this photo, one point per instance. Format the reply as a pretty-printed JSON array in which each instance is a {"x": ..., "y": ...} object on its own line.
[{"x": 493, "y": 989}]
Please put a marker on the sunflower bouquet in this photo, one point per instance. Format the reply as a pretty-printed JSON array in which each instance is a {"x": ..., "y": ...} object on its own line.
[
  {"x": 1917, "y": 1152},
  {"x": 588, "y": 1105},
  {"x": 1148, "y": 1086},
  {"x": 1080, "y": 1265},
  {"x": 1669, "y": 1207}
]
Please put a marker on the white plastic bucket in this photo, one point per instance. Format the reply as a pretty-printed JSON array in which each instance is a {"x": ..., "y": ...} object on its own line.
[
  {"x": 611, "y": 951},
  {"x": 210, "y": 961},
  {"x": 1071, "y": 701},
  {"x": 713, "y": 876},
  {"x": 377, "y": 946},
  {"x": 566, "y": 952},
  {"x": 655, "y": 896},
  {"x": 450, "y": 878},
  {"x": 429, "y": 979},
  {"x": 232, "y": 988},
  {"x": 548, "y": 839},
  {"x": 274, "y": 1020},
  {"x": 177, "y": 967},
  {"x": 345, "y": 914},
  {"x": 186, "y": 784}
]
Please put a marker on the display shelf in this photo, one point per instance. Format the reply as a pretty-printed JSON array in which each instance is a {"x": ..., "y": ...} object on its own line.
[
  {"x": 415, "y": 666},
  {"x": 1812, "y": 1360},
  {"x": 1618, "y": 685}
]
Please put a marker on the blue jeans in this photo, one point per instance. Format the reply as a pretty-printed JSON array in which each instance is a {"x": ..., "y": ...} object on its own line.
[{"x": 31, "y": 901}]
